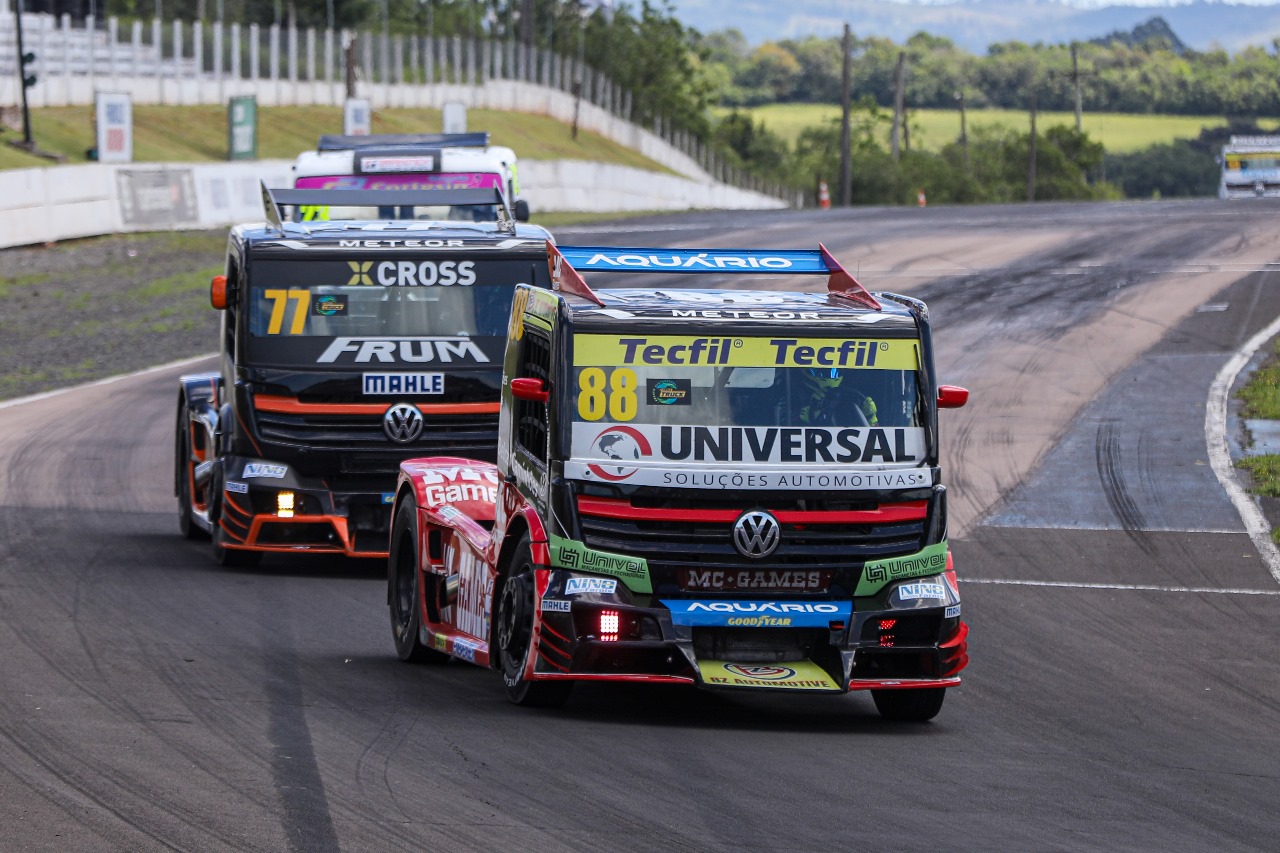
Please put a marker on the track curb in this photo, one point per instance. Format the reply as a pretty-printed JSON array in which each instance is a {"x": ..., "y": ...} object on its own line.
[{"x": 1215, "y": 433}]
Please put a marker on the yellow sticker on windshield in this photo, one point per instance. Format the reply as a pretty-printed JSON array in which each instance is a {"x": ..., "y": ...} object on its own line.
[{"x": 667, "y": 350}]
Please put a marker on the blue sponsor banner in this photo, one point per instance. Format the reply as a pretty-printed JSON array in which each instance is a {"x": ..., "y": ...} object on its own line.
[
  {"x": 754, "y": 261},
  {"x": 758, "y": 614}
]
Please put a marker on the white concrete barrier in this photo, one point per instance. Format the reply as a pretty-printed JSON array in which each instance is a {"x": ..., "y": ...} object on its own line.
[{"x": 63, "y": 202}]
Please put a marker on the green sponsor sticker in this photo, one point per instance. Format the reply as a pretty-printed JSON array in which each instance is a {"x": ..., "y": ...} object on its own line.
[
  {"x": 571, "y": 554},
  {"x": 931, "y": 561}
]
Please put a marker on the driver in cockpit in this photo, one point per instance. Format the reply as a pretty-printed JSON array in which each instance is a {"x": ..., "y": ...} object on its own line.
[{"x": 827, "y": 397}]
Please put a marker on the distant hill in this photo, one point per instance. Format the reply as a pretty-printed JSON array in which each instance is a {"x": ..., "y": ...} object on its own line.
[
  {"x": 1153, "y": 32},
  {"x": 976, "y": 24}
]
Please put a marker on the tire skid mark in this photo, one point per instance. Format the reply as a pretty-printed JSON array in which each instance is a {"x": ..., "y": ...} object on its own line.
[
  {"x": 122, "y": 708},
  {"x": 221, "y": 721},
  {"x": 41, "y": 758},
  {"x": 1108, "y": 456}
]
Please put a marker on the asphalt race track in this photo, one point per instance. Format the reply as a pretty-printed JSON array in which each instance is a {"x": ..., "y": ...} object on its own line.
[{"x": 1123, "y": 693}]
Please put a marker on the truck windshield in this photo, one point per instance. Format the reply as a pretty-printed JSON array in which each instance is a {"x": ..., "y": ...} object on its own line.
[
  {"x": 402, "y": 181},
  {"x": 649, "y": 407},
  {"x": 406, "y": 311}
]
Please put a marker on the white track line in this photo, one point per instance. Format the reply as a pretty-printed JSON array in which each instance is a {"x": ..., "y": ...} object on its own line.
[
  {"x": 1215, "y": 435},
  {"x": 22, "y": 401},
  {"x": 1121, "y": 586}
]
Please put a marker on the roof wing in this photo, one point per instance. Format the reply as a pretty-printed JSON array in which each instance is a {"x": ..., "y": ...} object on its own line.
[
  {"x": 724, "y": 261},
  {"x": 565, "y": 279},
  {"x": 274, "y": 199},
  {"x": 841, "y": 283},
  {"x": 335, "y": 142}
]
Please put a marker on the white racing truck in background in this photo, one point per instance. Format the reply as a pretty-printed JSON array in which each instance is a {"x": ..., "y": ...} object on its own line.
[
  {"x": 1250, "y": 167},
  {"x": 403, "y": 162}
]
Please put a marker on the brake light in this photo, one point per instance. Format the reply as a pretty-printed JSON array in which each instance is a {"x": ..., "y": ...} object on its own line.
[
  {"x": 886, "y": 640},
  {"x": 609, "y": 624}
]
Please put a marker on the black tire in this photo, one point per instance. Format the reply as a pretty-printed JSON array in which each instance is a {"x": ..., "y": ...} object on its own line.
[
  {"x": 403, "y": 596},
  {"x": 513, "y": 631},
  {"x": 231, "y": 558},
  {"x": 182, "y": 478},
  {"x": 909, "y": 705}
]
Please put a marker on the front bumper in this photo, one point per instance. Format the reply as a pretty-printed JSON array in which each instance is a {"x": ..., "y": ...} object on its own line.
[
  {"x": 878, "y": 642},
  {"x": 312, "y": 518}
]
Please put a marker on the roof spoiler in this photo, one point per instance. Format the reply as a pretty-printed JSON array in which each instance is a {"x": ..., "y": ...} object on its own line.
[
  {"x": 275, "y": 199},
  {"x": 334, "y": 142},
  {"x": 566, "y": 262}
]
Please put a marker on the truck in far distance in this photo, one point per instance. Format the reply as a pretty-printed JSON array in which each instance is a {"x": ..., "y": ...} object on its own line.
[
  {"x": 420, "y": 161},
  {"x": 1250, "y": 167}
]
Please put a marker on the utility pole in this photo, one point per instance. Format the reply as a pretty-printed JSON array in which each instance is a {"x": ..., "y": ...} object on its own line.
[
  {"x": 1075, "y": 80},
  {"x": 964, "y": 130},
  {"x": 577, "y": 72},
  {"x": 846, "y": 172},
  {"x": 1031, "y": 159},
  {"x": 22, "y": 82},
  {"x": 899, "y": 83},
  {"x": 526, "y": 23}
]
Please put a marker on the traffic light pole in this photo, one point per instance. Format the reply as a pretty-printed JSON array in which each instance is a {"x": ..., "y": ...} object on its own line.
[{"x": 22, "y": 82}]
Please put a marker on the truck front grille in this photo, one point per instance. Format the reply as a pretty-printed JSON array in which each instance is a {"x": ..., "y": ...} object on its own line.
[{"x": 365, "y": 446}]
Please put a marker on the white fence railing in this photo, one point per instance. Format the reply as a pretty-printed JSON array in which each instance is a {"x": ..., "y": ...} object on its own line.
[{"x": 180, "y": 62}]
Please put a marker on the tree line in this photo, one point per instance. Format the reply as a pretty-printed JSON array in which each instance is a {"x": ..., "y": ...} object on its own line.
[{"x": 1153, "y": 73}]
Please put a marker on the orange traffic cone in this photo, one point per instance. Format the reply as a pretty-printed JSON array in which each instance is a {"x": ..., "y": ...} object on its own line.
[
  {"x": 921, "y": 201},
  {"x": 824, "y": 196}
]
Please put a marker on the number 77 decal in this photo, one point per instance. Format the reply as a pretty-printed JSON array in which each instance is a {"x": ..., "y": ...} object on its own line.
[{"x": 279, "y": 298}]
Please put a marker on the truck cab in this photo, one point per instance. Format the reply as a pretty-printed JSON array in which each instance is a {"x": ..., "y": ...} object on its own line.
[
  {"x": 346, "y": 347},
  {"x": 422, "y": 161},
  {"x": 735, "y": 489},
  {"x": 1250, "y": 167}
]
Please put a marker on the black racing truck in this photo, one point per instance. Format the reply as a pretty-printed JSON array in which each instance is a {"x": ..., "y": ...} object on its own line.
[
  {"x": 346, "y": 347},
  {"x": 728, "y": 488}
]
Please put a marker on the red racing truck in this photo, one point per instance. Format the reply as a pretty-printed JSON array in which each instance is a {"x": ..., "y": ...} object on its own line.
[{"x": 726, "y": 488}]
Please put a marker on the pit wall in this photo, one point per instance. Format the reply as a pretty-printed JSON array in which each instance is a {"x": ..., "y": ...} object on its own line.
[{"x": 65, "y": 202}]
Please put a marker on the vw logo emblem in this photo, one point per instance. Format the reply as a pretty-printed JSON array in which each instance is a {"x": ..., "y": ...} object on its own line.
[
  {"x": 756, "y": 534},
  {"x": 402, "y": 423}
]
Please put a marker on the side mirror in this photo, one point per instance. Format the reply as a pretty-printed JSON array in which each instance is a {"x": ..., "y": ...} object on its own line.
[
  {"x": 218, "y": 292},
  {"x": 529, "y": 389},
  {"x": 952, "y": 396},
  {"x": 521, "y": 210}
]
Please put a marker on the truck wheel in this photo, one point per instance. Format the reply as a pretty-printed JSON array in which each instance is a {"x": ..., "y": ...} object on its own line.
[
  {"x": 909, "y": 706},
  {"x": 513, "y": 632},
  {"x": 403, "y": 594},
  {"x": 231, "y": 558},
  {"x": 182, "y": 474}
]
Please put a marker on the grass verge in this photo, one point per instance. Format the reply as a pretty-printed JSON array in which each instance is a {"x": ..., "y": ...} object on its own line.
[
  {"x": 199, "y": 134},
  {"x": 1260, "y": 398},
  {"x": 1120, "y": 133}
]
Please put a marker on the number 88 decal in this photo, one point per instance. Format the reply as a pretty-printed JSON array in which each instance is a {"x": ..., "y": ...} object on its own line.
[{"x": 615, "y": 394}]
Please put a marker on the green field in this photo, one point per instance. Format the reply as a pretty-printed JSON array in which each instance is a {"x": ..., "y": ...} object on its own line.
[
  {"x": 195, "y": 134},
  {"x": 1120, "y": 133}
]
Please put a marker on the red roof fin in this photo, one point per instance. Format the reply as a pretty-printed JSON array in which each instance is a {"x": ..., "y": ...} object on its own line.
[
  {"x": 842, "y": 284},
  {"x": 565, "y": 279}
]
